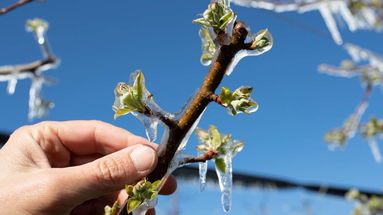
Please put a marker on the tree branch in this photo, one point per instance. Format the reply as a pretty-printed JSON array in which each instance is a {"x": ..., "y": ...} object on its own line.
[
  {"x": 165, "y": 119},
  {"x": 199, "y": 103},
  {"x": 215, "y": 98},
  {"x": 14, "y": 6},
  {"x": 202, "y": 158},
  {"x": 30, "y": 67}
]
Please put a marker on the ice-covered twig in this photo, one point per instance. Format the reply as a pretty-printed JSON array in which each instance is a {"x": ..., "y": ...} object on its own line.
[
  {"x": 202, "y": 158},
  {"x": 357, "y": 14},
  {"x": 199, "y": 103},
  {"x": 14, "y": 6},
  {"x": 37, "y": 104}
]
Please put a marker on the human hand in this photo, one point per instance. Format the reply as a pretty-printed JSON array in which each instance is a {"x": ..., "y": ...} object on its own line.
[{"x": 74, "y": 167}]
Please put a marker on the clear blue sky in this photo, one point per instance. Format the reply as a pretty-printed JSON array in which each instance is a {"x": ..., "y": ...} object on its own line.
[{"x": 101, "y": 42}]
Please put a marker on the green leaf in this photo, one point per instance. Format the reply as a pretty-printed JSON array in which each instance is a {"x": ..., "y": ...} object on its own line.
[
  {"x": 202, "y": 21},
  {"x": 216, "y": 137},
  {"x": 156, "y": 185},
  {"x": 226, "y": 96},
  {"x": 138, "y": 86},
  {"x": 220, "y": 164},
  {"x": 202, "y": 135},
  {"x": 120, "y": 112},
  {"x": 133, "y": 204},
  {"x": 153, "y": 195}
]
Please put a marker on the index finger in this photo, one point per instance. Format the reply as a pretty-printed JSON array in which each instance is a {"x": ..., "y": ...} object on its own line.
[{"x": 91, "y": 137}]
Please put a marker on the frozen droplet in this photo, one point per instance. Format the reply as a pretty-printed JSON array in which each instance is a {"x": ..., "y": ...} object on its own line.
[
  {"x": 374, "y": 147},
  {"x": 11, "y": 86},
  {"x": 244, "y": 53},
  {"x": 202, "y": 172},
  {"x": 226, "y": 200}
]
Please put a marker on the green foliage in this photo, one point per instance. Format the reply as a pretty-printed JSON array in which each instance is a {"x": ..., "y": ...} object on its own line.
[
  {"x": 261, "y": 40},
  {"x": 365, "y": 206},
  {"x": 337, "y": 136},
  {"x": 111, "y": 210},
  {"x": 142, "y": 190},
  {"x": 214, "y": 141},
  {"x": 218, "y": 15},
  {"x": 372, "y": 128},
  {"x": 208, "y": 46},
  {"x": 37, "y": 24},
  {"x": 131, "y": 98},
  {"x": 239, "y": 101}
]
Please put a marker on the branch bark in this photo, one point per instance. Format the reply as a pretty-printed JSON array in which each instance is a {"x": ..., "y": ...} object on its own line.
[
  {"x": 202, "y": 158},
  {"x": 199, "y": 103},
  {"x": 30, "y": 67},
  {"x": 14, "y": 6}
]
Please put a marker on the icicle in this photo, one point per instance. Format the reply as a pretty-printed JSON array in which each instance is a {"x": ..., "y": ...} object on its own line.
[
  {"x": 202, "y": 172},
  {"x": 37, "y": 105},
  {"x": 244, "y": 53},
  {"x": 145, "y": 206},
  {"x": 374, "y": 147},
  {"x": 330, "y": 23},
  {"x": 11, "y": 86},
  {"x": 226, "y": 182},
  {"x": 39, "y": 28},
  {"x": 150, "y": 124}
]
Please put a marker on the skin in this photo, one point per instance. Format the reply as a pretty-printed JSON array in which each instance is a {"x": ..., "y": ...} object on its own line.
[{"x": 73, "y": 167}]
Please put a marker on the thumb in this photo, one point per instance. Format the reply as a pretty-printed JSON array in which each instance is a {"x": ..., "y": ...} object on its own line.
[{"x": 109, "y": 173}]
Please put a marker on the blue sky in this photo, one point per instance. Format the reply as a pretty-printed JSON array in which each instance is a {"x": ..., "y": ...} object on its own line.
[{"x": 101, "y": 42}]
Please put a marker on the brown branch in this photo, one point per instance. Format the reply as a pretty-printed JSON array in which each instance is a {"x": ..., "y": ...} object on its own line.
[
  {"x": 14, "y": 6},
  {"x": 202, "y": 158},
  {"x": 199, "y": 103},
  {"x": 215, "y": 98},
  {"x": 165, "y": 119},
  {"x": 30, "y": 67}
]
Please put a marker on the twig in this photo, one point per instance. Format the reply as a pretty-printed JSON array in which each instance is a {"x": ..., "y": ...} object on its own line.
[
  {"x": 215, "y": 98},
  {"x": 202, "y": 158},
  {"x": 199, "y": 103},
  {"x": 161, "y": 116},
  {"x": 14, "y": 6},
  {"x": 30, "y": 67}
]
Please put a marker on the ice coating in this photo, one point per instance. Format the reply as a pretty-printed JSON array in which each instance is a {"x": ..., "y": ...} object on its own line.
[
  {"x": 145, "y": 206},
  {"x": 226, "y": 182},
  {"x": 374, "y": 147},
  {"x": 189, "y": 133},
  {"x": 366, "y": 15},
  {"x": 202, "y": 172},
  {"x": 244, "y": 53},
  {"x": 38, "y": 106},
  {"x": 359, "y": 54}
]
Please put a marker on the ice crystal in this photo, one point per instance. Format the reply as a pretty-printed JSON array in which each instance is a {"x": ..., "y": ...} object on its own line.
[
  {"x": 364, "y": 14},
  {"x": 261, "y": 43},
  {"x": 202, "y": 172}
]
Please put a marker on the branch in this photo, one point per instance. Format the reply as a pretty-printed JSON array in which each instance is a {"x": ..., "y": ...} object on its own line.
[
  {"x": 202, "y": 158},
  {"x": 24, "y": 68},
  {"x": 14, "y": 6},
  {"x": 161, "y": 116},
  {"x": 199, "y": 103},
  {"x": 215, "y": 98}
]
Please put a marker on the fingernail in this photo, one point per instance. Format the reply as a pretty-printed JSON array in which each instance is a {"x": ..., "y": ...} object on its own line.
[{"x": 143, "y": 158}]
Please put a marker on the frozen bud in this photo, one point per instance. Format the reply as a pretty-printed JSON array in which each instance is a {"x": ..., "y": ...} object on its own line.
[
  {"x": 239, "y": 101},
  {"x": 131, "y": 98},
  {"x": 37, "y": 25},
  {"x": 352, "y": 194},
  {"x": 347, "y": 65},
  {"x": 261, "y": 40},
  {"x": 143, "y": 190},
  {"x": 111, "y": 210},
  {"x": 338, "y": 137}
]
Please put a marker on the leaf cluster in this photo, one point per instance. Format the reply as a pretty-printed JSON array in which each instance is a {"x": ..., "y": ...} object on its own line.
[
  {"x": 141, "y": 191},
  {"x": 131, "y": 98},
  {"x": 212, "y": 140},
  {"x": 239, "y": 101}
]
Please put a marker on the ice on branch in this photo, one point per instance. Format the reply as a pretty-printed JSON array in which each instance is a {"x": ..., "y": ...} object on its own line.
[
  {"x": 371, "y": 130},
  {"x": 239, "y": 101},
  {"x": 260, "y": 43},
  {"x": 139, "y": 193},
  {"x": 38, "y": 106},
  {"x": 138, "y": 101},
  {"x": 209, "y": 49},
  {"x": 357, "y": 14},
  {"x": 365, "y": 205},
  {"x": 370, "y": 73},
  {"x": 339, "y": 137},
  {"x": 225, "y": 149}
]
